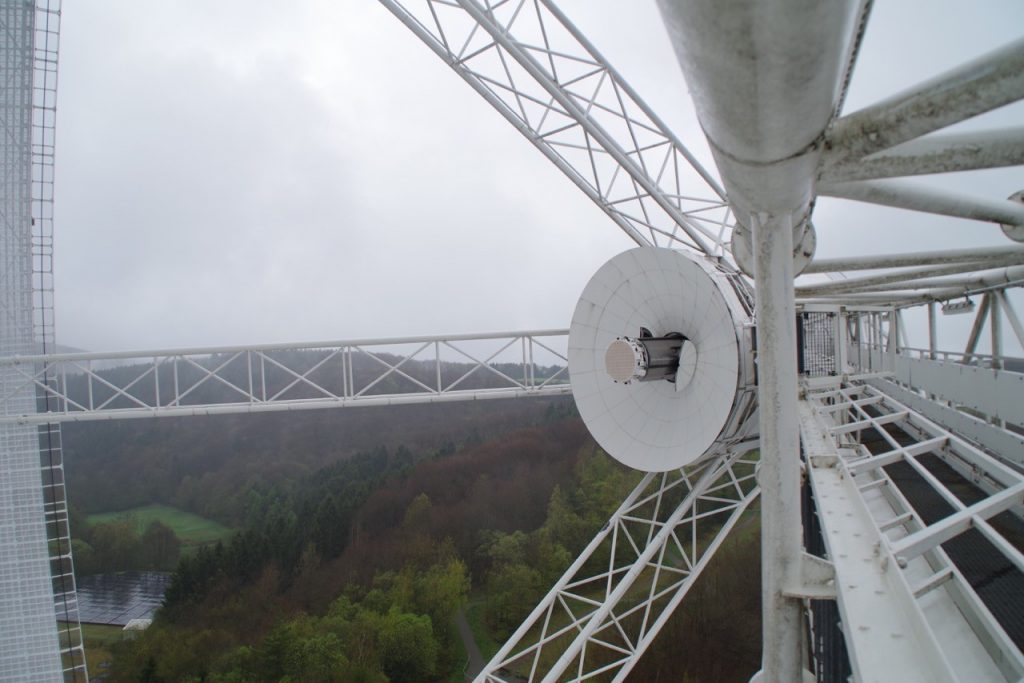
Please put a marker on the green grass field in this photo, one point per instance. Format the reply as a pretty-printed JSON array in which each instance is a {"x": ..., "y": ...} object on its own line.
[
  {"x": 101, "y": 635},
  {"x": 191, "y": 530}
]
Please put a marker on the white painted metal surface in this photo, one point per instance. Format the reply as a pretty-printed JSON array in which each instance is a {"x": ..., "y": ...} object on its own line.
[
  {"x": 597, "y": 622},
  {"x": 867, "y": 583},
  {"x": 554, "y": 87},
  {"x": 978, "y": 256},
  {"x": 898, "y": 587},
  {"x": 992, "y": 392},
  {"x": 661, "y": 425},
  {"x": 986, "y": 83},
  {"x": 769, "y": 78},
  {"x": 281, "y": 377},
  {"x": 781, "y": 548},
  {"x": 29, "y": 646},
  {"x": 934, "y": 154},
  {"x": 1005, "y": 444},
  {"x": 766, "y": 78}
]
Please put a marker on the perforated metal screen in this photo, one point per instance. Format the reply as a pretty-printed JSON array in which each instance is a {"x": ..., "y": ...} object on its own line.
[{"x": 816, "y": 342}]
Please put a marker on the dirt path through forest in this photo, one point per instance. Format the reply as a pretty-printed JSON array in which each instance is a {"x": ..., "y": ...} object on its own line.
[{"x": 476, "y": 660}]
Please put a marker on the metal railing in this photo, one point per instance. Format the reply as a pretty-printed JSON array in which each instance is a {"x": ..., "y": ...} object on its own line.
[{"x": 879, "y": 470}]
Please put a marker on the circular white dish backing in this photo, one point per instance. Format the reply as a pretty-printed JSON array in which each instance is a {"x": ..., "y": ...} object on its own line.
[{"x": 654, "y": 426}]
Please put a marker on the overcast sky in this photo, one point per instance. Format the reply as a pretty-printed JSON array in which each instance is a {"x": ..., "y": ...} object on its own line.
[{"x": 254, "y": 172}]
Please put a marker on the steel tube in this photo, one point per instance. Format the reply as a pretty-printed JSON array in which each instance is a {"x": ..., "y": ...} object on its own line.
[
  {"x": 921, "y": 258},
  {"x": 286, "y": 346},
  {"x": 149, "y": 413},
  {"x": 779, "y": 473},
  {"x": 933, "y": 154},
  {"x": 908, "y": 195},
  {"x": 986, "y": 83},
  {"x": 967, "y": 289},
  {"x": 979, "y": 322},
  {"x": 906, "y": 279},
  {"x": 996, "y": 328},
  {"x": 901, "y": 299},
  {"x": 932, "y": 335},
  {"x": 957, "y": 285},
  {"x": 908, "y": 297},
  {"x": 765, "y": 78},
  {"x": 870, "y": 300},
  {"x": 1011, "y": 316}
]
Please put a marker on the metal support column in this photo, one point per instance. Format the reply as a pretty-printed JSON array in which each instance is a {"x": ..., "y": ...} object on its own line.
[
  {"x": 1011, "y": 315},
  {"x": 996, "y": 328},
  {"x": 860, "y": 342},
  {"x": 979, "y": 323},
  {"x": 932, "y": 343},
  {"x": 842, "y": 343},
  {"x": 781, "y": 547},
  {"x": 902, "y": 341}
]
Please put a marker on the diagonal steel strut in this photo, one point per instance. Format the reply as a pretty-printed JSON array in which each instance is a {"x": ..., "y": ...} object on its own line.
[{"x": 606, "y": 609}]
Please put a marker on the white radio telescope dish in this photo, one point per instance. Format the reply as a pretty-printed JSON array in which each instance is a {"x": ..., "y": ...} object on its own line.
[{"x": 660, "y": 358}]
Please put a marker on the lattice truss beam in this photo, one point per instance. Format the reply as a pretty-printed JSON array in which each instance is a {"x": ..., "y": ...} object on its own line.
[
  {"x": 532, "y": 65},
  {"x": 290, "y": 376},
  {"x": 924, "y": 531},
  {"x": 606, "y": 609}
]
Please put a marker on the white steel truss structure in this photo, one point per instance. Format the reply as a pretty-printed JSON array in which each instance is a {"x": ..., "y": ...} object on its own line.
[
  {"x": 532, "y": 65},
  {"x": 913, "y": 456},
  {"x": 93, "y": 386},
  {"x": 609, "y": 605}
]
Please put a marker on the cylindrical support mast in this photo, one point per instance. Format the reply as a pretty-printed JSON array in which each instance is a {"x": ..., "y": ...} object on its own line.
[
  {"x": 766, "y": 77},
  {"x": 779, "y": 475}
]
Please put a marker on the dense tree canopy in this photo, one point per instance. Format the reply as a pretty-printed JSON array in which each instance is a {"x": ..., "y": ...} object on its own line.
[{"x": 352, "y": 567}]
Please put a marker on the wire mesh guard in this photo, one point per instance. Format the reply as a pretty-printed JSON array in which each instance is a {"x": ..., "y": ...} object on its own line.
[
  {"x": 45, "y": 51},
  {"x": 816, "y": 343}
]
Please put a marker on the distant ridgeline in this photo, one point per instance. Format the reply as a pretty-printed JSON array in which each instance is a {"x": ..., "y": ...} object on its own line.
[{"x": 208, "y": 465}]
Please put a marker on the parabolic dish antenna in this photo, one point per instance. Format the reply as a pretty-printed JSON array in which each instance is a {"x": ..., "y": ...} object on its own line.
[{"x": 660, "y": 358}]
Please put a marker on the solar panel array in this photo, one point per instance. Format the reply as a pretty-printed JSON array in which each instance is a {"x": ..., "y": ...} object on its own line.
[{"x": 118, "y": 598}]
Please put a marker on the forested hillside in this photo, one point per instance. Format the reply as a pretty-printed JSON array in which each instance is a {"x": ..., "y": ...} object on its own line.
[
  {"x": 361, "y": 532},
  {"x": 210, "y": 464}
]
